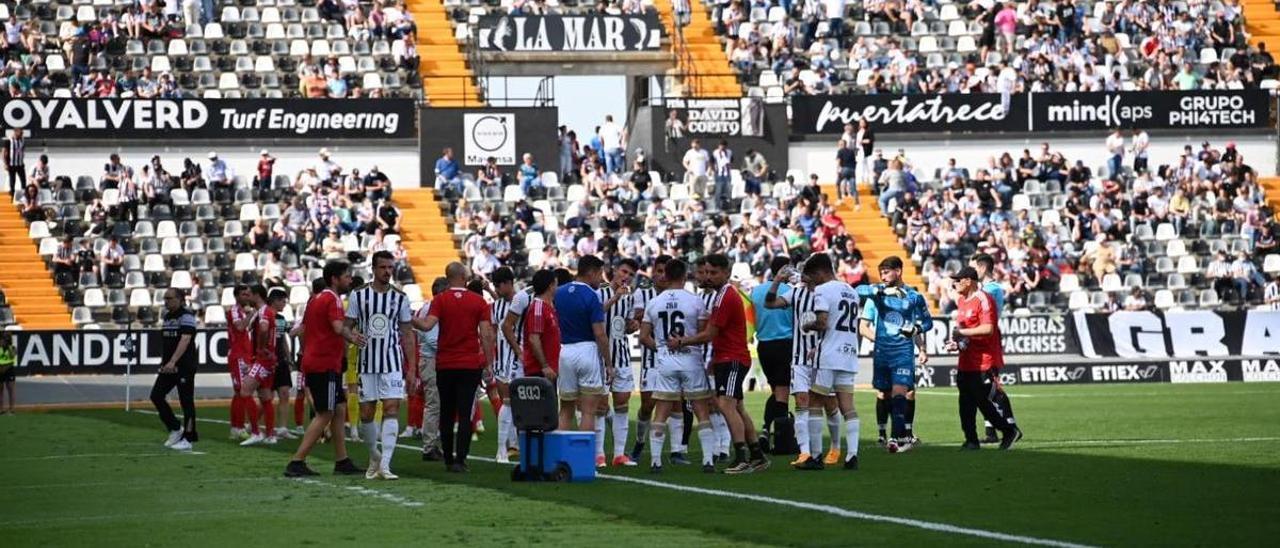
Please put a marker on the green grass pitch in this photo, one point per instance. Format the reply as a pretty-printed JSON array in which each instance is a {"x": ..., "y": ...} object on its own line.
[{"x": 1101, "y": 465}]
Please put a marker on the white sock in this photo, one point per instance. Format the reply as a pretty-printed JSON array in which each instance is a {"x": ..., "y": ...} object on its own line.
[
  {"x": 676, "y": 425},
  {"x": 833, "y": 428},
  {"x": 389, "y": 428},
  {"x": 707, "y": 438},
  {"x": 621, "y": 425},
  {"x": 851, "y": 436},
  {"x": 802, "y": 430},
  {"x": 600, "y": 420},
  {"x": 815, "y": 434},
  {"x": 723, "y": 438},
  {"x": 369, "y": 431},
  {"x": 656, "y": 437},
  {"x": 504, "y": 428}
]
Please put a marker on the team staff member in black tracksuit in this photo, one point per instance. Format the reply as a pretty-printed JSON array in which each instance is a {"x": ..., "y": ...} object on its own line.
[
  {"x": 177, "y": 370},
  {"x": 773, "y": 346}
]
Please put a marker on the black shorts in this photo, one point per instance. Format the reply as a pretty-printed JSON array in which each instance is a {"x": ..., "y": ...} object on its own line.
[
  {"x": 283, "y": 378},
  {"x": 326, "y": 390},
  {"x": 775, "y": 359},
  {"x": 10, "y": 374},
  {"x": 729, "y": 379}
]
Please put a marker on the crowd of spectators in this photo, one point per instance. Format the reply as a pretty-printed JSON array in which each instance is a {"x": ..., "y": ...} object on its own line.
[
  {"x": 103, "y": 51},
  {"x": 922, "y": 46},
  {"x": 1125, "y": 227},
  {"x": 289, "y": 224}
]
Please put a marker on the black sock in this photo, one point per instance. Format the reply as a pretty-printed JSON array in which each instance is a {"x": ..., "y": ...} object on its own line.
[
  {"x": 882, "y": 414},
  {"x": 739, "y": 451},
  {"x": 899, "y": 406},
  {"x": 688, "y": 425},
  {"x": 756, "y": 452}
]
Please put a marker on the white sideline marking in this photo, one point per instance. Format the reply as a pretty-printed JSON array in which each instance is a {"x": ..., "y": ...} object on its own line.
[
  {"x": 837, "y": 511},
  {"x": 149, "y": 517},
  {"x": 103, "y": 455},
  {"x": 833, "y": 510},
  {"x": 123, "y": 485},
  {"x": 373, "y": 493}
]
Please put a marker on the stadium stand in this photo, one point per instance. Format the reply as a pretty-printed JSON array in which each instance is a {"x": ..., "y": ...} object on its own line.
[
  {"x": 246, "y": 48},
  {"x": 834, "y": 46},
  {"x": 1065, "y": 237}
]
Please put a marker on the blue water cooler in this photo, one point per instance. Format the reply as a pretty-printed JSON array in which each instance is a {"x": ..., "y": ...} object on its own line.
[{"x": 565, "y": 455}]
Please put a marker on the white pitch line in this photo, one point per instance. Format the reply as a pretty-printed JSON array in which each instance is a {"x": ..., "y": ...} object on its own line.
[
  {"x": 365, "y": 491},
  {"x": 148, "y": 516},
  {"x": 123, "y": 485},
  {"x": 833, "y": 510},
  {"x": 102, "y": 455}
]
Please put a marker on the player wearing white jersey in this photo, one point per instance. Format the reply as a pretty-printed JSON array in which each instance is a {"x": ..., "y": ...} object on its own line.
[
  {"x": 507, "y": 312},
  {"x": 836, "y": 309},
  {"x": 386, "y": 360},
  {"x": 681, "y": 372},
  {"x": 648, "y": 357},
  {"x": 618, "y": 298}
]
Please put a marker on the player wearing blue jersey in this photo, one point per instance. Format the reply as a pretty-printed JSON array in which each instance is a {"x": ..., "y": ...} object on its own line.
[
  {"x": 896, "y": 318},
  {"x": 986, "y": 267}
]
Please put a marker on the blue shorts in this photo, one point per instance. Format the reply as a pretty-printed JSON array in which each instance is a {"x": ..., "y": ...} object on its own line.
[{"x": 884, "y": 377}]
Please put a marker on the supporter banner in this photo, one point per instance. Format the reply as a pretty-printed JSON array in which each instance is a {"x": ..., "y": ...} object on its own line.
[
  {"x": 909, "y": 113},
  {"x": 1150, "y": 110},
  {"x": 167, "y": 119},
  {"x": 108, "y": 351},
  {"x": 1175, "y": 371},
  {"x": 963, "y": 113},
  {"x": 720, "y": 117},
  {"x": 594, "y": 32},
  {"x": 1022, "y": 335},
  {"x": 1190, "y": 334}
]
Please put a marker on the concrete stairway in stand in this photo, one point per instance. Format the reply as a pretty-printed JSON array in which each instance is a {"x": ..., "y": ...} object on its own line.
[
  {"x": 875, "y": 238},
  {"x": 1271, "y": 186},
  {"x": 1262, "y": 22},
  {"x": 447, "y": 80},
  {"x": 27, "y": 284},
  {"x": 426, "y": 234},
  {"x": 706, "y": 53}
]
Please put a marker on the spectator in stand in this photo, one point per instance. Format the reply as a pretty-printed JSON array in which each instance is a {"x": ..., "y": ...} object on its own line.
[
  {"x": 64, "y": 262},
  {"x": 892, "y": 184},
  {"x": 1245, "y": 277},
  {"x": 219, "y": 173},
  {"x": 722, "y": 158},
  {"x": 1115, "y": 147},
  {"x": 613, "y": 145},
  {"x": 673, "y": 129},
  {"x": 696, "y": 164},
  {"x": 388, "y": 216},
  {"x": 755, "y": 170},
  {"x": 846, "y": 173},
  {"x": 529, "y": 178},
  {"x": 1272, "y": 293},
  {"x": 489, "y": 175},
  {"x": 1218, "y": 274},
  {"x": 1136, "y": 300},
  {"x": 264, "y": 174},
  {"x": 15, "y": 152},
  {"x": 447, "y": 173}
]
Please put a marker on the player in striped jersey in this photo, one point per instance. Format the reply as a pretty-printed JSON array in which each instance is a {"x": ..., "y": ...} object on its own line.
[
  {"x": 386, "y": 360},
  {"x": 648, "y": 377},
  {"x": 810, "y": 407},
  {"x": 618, "y": 307},
  {"x": 507, "y": 311}
]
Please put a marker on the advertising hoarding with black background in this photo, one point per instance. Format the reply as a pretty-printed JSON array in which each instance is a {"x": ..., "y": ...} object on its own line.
[
  {"x": 211, "y": 119},
  {"x": 570, "y": 33},
  {"x": 1038, "y": 112},
  {"x": 1108, "y": 371},
  {"x": 717, "y": 118}
]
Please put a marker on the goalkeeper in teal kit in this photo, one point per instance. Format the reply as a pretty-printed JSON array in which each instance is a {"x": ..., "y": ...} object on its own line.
[{"x": 895, "y": 317}]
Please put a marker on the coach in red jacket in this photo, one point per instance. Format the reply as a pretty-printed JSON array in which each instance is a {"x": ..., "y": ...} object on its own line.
[{"x": 465, "y": 351}]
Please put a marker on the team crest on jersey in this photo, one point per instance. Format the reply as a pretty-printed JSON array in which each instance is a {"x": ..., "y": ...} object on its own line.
[
  {"x": 893, "y": 322},
  {"x": 379, "y": 326},
  {"x": 618, "y": 326}
]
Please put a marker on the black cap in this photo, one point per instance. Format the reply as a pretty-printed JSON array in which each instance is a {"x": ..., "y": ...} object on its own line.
[
  {"x": 965, "y": 273},
  {"x": 277, "y": 293},
  {"x": 891, "y": 263}
]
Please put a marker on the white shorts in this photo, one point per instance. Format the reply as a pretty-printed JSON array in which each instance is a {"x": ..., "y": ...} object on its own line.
[
  {"x": 623, "y": 380},
  {"x": 648, "y": 379},
  {"x": 381, "y": 386},
  {"x": 505, "y": 373},
  {"x": 801, "y": 378},
  {"x": 827, "y": 381},
  {"x": 674, "y": 384},
  {"x": 580, "y": 371}
]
